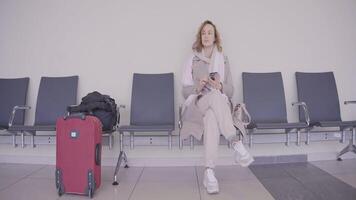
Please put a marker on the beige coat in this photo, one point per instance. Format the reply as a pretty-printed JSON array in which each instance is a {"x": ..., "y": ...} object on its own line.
[{"x": 192, "y": 118}]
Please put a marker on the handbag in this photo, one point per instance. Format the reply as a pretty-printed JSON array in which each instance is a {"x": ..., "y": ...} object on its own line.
[{"x": 241, "y": 118}]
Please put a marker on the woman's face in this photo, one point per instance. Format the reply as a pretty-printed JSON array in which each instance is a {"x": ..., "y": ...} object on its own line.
[{"x": 207, "y": 35}]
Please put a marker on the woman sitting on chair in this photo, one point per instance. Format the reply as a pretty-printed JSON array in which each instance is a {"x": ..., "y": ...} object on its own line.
[{"x": 207, "y": 88}]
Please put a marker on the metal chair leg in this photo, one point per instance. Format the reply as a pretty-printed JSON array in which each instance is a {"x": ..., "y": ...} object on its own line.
[
  {"x": 132, "y": 140},
  {"x": 250, "y": 140},
  {"x": 287, "y": 139},
  {"x": 33, "y": 141},
  {"x": 180, "y": 142},
  {"x": 122, "y": 156},
  {"x": 170, "y": 140},
  {"x": 14, "y": 140},
  {"x": 22, "y": 140},
  {"x": 125, "y": 160},
  {"x": 307, "y": 142},
  {"x": 110, "y": 140},
  {"x": 343, "y": 136},
  {"x": 351, "y": 147},
  {"x": 121, "y": 134},
  {"x": 191, "y": 142}
]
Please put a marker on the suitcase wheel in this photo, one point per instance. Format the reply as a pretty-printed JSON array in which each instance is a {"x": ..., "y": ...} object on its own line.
[
  {"x": 60, "y": 191},
  {"x": 91, "y": 184},
  {"x": 91, "y": 193},
  {"x": 59, "y": 183}
]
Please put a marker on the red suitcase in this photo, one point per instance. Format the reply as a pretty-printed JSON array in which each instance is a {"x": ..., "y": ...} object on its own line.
[{"x": 78, "y": 155}]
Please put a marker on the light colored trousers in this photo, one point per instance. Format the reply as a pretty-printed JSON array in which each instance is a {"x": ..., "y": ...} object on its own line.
[{"x": 215, "y": 108}]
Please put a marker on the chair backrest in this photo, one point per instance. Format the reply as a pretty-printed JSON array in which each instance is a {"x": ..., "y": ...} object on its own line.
[
  {"x": 13, "y": 92},
  {"x": 54, "y": 95},
  {"x": 264, "y": 97},
  {"x": 152, "y": 100},
  {"x": 319, "y": 92}
]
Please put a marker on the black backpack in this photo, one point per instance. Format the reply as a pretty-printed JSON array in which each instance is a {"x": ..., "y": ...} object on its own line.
[{"x": 99, "y": 105}]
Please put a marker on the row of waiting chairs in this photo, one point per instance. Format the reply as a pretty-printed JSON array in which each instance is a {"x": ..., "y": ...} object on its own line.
[
  {"x": 151, "y": 110},
  {"x": 152, "y": 104},
  {"x": 263, "y": 94},
  {"x": 54, "y": 95}
]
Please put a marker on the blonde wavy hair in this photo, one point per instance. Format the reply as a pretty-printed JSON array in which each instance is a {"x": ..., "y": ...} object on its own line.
[{"x": 198, "y": 45}]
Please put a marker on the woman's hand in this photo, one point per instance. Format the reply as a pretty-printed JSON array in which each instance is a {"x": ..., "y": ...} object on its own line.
[
  {"x": 216, "y": 82},
  {"x": 202, "y": 83}
]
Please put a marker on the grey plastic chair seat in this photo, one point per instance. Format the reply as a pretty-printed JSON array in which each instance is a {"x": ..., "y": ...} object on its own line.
[
  {"x": 319, "y": 92},
  {"x": 152, "y": 110},
  {"x": 152, "y": 105},
  {"x": 32, "y": 128},
  {"x": 54, "y": 95},
  {"x": 277, "y": 125},
  {"x": 134, "y": 128},
  {"x": 265, "y": 101},
  {"x": 13, "y": 92},
  {"x": 342, "y": 124}
]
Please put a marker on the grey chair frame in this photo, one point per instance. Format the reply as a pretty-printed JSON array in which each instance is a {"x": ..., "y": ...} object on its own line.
[
  {"x": 54, "y": 95},
  {"x": 351, "y": 147},
  {"x": 14, "y": 93},
  {"x": 269, "y": 113},
  {"x": 180, "y": 125},
  {"x": 144, "y": 86},
  {"x": 319, "y": 91},
  {"x": 110, "y": 135}
]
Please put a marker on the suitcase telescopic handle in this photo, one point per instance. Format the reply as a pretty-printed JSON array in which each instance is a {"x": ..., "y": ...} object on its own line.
[
  {"x": 75, "y": 115},
  {"x": 97, "y": 154}
]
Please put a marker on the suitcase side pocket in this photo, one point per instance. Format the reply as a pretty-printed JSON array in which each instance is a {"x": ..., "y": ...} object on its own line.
[{"x": 98, "y": 154}]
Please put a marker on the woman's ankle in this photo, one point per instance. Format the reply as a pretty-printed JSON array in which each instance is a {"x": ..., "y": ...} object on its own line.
[{"x": 233, "y": 139}]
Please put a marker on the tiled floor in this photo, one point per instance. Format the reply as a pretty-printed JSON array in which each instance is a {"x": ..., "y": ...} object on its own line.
[
  {"x": 19, "y": 182},
  {"x": 302, "y": 181}
]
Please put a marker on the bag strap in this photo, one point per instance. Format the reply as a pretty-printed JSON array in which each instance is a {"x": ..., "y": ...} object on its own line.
[{"x": 241, "y": 117}]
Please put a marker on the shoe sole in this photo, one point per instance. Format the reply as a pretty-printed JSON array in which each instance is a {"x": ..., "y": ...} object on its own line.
[
  {"x": 244, "y": 161},
  {"x": 210, "y": 189},
  {"x": 248, "y": 162}
]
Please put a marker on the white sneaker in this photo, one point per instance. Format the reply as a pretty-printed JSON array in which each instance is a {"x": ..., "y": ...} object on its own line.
[
  {"x": 242, "y": 156},
  {"x": 210, "y": 182}
]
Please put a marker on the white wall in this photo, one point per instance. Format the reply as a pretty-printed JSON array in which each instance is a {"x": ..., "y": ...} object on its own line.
[{"x": 105, "y": 42}]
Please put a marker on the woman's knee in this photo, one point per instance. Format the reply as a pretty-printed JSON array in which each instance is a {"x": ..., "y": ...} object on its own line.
[
  {"x": 209, "y": 116},
  {"x": 218, "y": 96}
]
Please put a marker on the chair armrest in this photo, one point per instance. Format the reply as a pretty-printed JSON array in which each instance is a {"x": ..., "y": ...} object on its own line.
[
  {"x": 12, "y": 117},
  {"x": 305, "y": 109},
  {"x": 118, "y": 112},
  {"x": 120, "y": 106},
  {"x": 349, "y": 102},
  {"x": 180, "y": 117}
]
